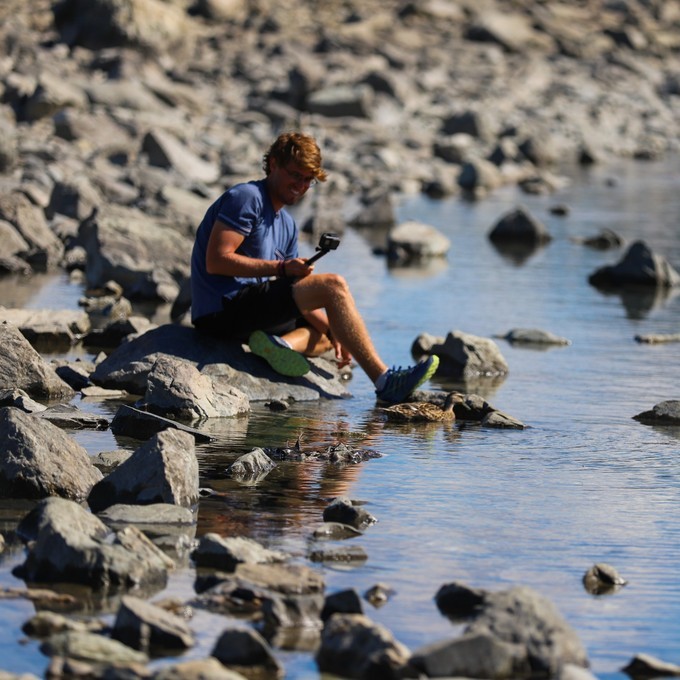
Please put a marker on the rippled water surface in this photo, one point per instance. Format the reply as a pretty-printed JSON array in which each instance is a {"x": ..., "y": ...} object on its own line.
[{"x": 584, "y": 483}]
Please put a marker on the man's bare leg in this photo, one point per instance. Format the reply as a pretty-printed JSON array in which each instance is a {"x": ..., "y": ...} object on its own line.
[
  {"x": 331, "y": 292},
  {"x": 308, "y": 341}
]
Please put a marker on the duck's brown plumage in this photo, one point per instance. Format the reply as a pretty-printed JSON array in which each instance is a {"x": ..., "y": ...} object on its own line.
[{"x": 423, "y": 411}]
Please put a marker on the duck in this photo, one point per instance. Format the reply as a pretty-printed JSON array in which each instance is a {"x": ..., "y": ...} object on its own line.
[{"x": 424, "y": 411}]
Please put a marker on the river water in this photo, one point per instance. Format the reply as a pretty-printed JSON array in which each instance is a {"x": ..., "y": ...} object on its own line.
[{"x": 584, "y": 483}]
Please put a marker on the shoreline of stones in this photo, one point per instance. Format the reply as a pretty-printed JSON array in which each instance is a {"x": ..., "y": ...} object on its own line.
[{"x": 138, "y": 529}]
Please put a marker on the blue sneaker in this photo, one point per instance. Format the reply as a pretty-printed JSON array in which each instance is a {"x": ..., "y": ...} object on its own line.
[
  {"x": 283, "y": 359},
  {"x": 401, "y": 382}
]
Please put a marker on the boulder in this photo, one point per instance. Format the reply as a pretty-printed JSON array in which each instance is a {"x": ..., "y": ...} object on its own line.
[
  {"x": 245, "y": 649},
  {"x": 48, "y": 328},
  {"x": 163, "y": 470},
  {"x": 519, "y": 226},
  {"x": 177, "y": 389},
  {"x": 639, "y": 266},
  {"x": 413, "y": 240},
  {"x": 129, "y": 365},
  {"x": 30, "y": 223},
  {"x": 149, "y": 270},
  {"x": 149, "y": 628},
  {"x": 353, "y": 646},
  {"x": 152, "y": 25},
  {"x": 513, "y": 633},
  {"x": 462, "y": 355},
  {"x": 38, "y": 460},
  {"x": 70, "y": 545}
]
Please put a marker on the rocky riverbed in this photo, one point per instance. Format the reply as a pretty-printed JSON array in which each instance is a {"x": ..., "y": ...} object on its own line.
[{"x": 120, "y": 121}]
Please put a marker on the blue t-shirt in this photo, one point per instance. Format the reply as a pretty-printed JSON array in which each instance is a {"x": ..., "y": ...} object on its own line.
[{"x": 269, "y": 235}]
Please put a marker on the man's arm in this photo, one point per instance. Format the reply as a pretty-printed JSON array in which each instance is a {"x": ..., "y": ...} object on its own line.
[{"x": 221, "y": 258}]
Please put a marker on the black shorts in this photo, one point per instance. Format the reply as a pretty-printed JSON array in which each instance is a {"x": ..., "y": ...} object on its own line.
[{"x": 267, "y": 306}]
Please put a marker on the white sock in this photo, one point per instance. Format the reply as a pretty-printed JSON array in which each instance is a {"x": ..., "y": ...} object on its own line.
[{"x": 280, "y": 341}]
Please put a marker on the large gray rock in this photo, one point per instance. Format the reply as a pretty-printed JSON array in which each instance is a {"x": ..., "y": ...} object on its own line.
[
  {"x": 413, "y": 240},
  {"x": 70, "y": 545},
  {"x": 149, "y": 628},
  {"x": 196, "y": 669},
  {"x": 91, "y": 648},
  {"x": 163, "y": 470},
  {"x": 48, "y": 327},
  {"x": 38, "y": 460},
  {"x": 21, "y": 367},
  {"x": 166, "y": 151},
  {"x": 516, "y": 633},
  {"x": 177, "y": 389},
  {"x": 245, "y": 649},
  {"x": 148, "y": 24},
  {"x": 664, "y": 413},
  {"x": 462, "y": 355},
  {"x": 353, "y": 646},
  {"x": 149, "y": 269},
  {"x": 128, "y": 366},
  {"x": 52, "y": 94},
  {"x": 473, "y": 656},
  {"x": 74, "y": 197},
  {"x": 29, "y": 220}
]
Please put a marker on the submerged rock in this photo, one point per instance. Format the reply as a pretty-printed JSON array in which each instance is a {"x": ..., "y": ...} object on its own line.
[
  {"x": 602, "y": 579},
  {"x": 534, "y": 336},
  {"x": 346, "y": 511},
  {"x": 639, "y": 266},
  {"x": 664, "y": 413},
  {"x": 645, "y": 666}
]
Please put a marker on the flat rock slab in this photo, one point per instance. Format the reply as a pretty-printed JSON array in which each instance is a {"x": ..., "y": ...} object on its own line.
[{"x": 128, "y": 366}]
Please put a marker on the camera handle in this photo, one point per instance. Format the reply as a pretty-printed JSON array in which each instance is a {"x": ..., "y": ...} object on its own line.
[{"x": 320, "y": 252}]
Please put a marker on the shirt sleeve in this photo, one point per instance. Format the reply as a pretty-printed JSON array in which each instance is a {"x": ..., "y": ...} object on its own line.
[{"x": 241, "y": 209}]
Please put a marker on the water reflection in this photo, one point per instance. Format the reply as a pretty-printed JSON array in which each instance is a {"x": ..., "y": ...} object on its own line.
[
  {"x": 516, "y": 253},
  {"x": 418, "y": 269},
  {"x": 640, "y": 301},
  {"x": 287, "y": 501},
  {"x": 292, "y": 496},
  {"x": 485, "y": 386}
]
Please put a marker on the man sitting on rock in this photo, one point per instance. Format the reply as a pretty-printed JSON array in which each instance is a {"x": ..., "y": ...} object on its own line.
[{"x": 248, "y": 281}]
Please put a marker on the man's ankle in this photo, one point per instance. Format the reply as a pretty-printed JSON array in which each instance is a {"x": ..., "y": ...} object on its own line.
[{"x": 380, "y": 381}]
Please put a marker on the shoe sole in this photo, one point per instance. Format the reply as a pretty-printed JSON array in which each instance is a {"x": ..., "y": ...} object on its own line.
[
  {"x": 430, "y": 371},
  {"x": 283, "y": 360}
]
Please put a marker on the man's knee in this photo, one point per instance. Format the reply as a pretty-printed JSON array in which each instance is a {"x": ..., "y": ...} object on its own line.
[{"x": 334, "y": 283}]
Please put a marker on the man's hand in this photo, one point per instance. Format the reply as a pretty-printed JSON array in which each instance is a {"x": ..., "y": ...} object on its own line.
[
  {"x": 297, "y": 268},
  {"x": 342, "y": 356}
]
